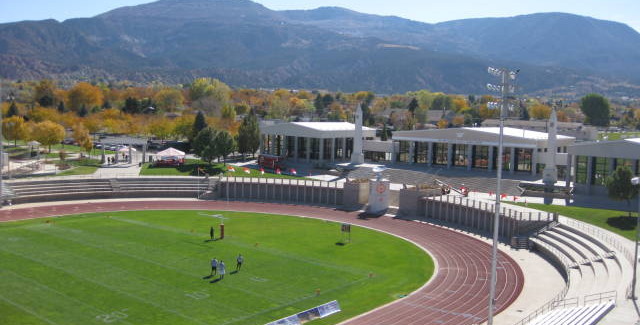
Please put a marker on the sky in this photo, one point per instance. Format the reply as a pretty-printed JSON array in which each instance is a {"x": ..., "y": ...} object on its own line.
[{"x": 429, "y": 11}]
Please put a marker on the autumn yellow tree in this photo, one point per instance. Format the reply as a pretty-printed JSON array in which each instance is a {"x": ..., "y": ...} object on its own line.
[
  {"x": 82, "y": 137},
  {"x": 14, "y": 128},
  {"x": 84, "y": 94},
  {"x": 161, "y": 128},
  {"x": 540, "y": 111},
  {"x": 168, "y": 99},
  {"x": 47, "y": 133},
  {"x": 443, "y": 124}
]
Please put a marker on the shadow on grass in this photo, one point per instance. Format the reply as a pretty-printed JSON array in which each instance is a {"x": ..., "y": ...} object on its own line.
[
  {"x": 623, "y": 222},
  {"x": 192, "y": 169}
]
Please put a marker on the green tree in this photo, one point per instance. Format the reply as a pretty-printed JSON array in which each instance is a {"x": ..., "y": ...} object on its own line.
[
  {"x": 224, "y": 144},
  {"x": 83, "y": 111},
  {"x": 199, "y": 124},
  {"x": 413, "y": 105},
  {"x": 441, "y": 102},
  {"x": 619, "y": 185},
  {"x": 249, "y": 134},
  {"x": 204, "y": 144},
  {"x": 384, "y": 136},
  {"x": 209, "y": 94},
  {"x": 596, "y": 109},
  {"x": 318, "y": 104},
  {"x": 13, "y": 110},
  {"x": 61, "y": 107},
  {"x": 132, "y": 106}
]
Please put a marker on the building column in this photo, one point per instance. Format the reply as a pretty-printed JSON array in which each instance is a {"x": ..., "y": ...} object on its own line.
[
  {"x": 412, "y": 152},
  {"x": 429, "y": 154},
  {"x": 333, "y": 150},
  {"x": 469, "y": 156},
  {"x": 568, "y": 173},
  {"x": 307, "y": 142},
  {"x": 512, "y": 160},
  {"x": 589, "y": 173},
  {"x": 491, "y": 162},
  {"x": 343, "y": 146},
  {"x": 393, "y": 151},
  {"x": 534, "y": 161},
  {"x": 295, "y": 148},
  {"x": 321, "y": 154},
  {"x": 261, "y": 147},
  {"x": 449, "y": 154},
  {"x": 285, "y": 145}
]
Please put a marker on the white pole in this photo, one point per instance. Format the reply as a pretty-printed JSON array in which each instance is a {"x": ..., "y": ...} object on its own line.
[
  {"x": 636, "y": 181},
  {"x": 496, "y": 218}
]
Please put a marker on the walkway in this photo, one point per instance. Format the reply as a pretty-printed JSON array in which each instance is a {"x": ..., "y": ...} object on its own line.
[{"x": 457, "y": 294}]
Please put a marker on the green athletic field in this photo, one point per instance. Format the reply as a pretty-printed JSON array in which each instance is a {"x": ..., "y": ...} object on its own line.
[{"x": 151, "y": 267}]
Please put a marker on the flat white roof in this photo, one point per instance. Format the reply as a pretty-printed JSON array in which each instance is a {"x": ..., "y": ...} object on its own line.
[
  {"x": 518, "y": 133},
  {"x": 634, "y": 140},
  {"x": 330, "y": 126}
]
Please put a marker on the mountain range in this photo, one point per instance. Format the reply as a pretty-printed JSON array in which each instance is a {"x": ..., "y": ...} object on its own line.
[{"x": 247, "y": 45}]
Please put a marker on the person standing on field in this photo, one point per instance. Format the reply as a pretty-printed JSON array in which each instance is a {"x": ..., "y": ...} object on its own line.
[
  {"x": 221, "y": 269},
  {"x": 239, "y": 261},
  {"x": 214, "y": 266},
  {"x": 212, "y": 232}
]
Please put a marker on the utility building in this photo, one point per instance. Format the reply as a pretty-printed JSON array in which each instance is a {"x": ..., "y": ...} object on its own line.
[
  {"x": 477, "y": 149},
  {"x": 311, "y": 141}
]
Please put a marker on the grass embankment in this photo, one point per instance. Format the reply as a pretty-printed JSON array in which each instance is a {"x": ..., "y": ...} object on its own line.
[
  {"x": 618, "y": 222},
  {"x": 190, "y": 168},
  {"x": 152, "y": 267}
]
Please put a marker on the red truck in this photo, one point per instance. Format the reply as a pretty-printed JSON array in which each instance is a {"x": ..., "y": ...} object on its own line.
[{"x": 271, "y": 161}]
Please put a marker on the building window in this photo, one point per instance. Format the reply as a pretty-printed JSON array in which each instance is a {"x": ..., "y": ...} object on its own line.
[
  {"x": 481, "y": 157},
  {"x": 403, "y": 153},
  {"x": 600, "y": 170},
  {"x": 315, "y": 148},
  {"x": 291, "y": 149},
  {"x": 302, "y": 147},
  {"x": 422, "y": 152},
  {"x": 377, "y": 156},
  {"x": 523, "y": 159},
  {"x": 506, "y": 159},
  {"x": 581, "y": 169},
  {"x": 328, "y": 147},
  {"x": 460, "y": 155},
  {"x": 629, "y": 163},
  {"x": 440, "y": 153}
]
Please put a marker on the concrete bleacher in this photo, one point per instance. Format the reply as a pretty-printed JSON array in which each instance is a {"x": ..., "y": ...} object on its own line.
[
  {"x": 133, "y": 187},
  {"x": 596, "y": 265},
  {"x": 579, "y": 315}
]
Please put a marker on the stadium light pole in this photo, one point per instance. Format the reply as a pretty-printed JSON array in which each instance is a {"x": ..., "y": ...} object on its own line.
[
  {"x": 505, "y": 89},
  {"x": 636, "y": 181}
]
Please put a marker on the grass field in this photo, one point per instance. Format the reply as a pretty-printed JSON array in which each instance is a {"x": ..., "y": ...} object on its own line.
[
  {"x": 151, "y": 267},
  {"x": 190, "y": 168},
  {"x": 612, "y": 220}
]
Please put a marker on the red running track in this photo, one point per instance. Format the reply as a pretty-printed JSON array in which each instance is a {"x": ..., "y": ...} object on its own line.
[{"x": 457, "y": 294}]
